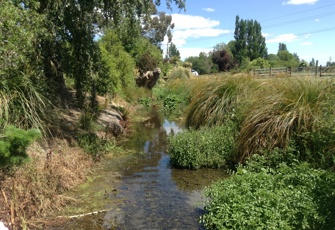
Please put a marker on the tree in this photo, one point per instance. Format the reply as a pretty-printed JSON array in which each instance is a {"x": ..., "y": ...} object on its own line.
[
  {"x": 249, "y": 42},
  {"x": 116, "y": 65},
  {"x": 282, "y": 46},
  {"x": 222, "y": 59},
  {"x": 287, "y": 59},
  {"x": 330, "y": 62},
  {"x": 156, "y": 28},
  {"x": 312, "y": 62},
  {"x": 68, "y": 45},
  {"x": 147, "y": 56},
  {"x": 202, "y": 64},
  {"x": 173, "y": 51}
]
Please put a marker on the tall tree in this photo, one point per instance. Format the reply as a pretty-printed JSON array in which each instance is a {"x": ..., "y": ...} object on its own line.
[
  {"x": 250, "y": 42},
  {"x": 157, "y": 28},
  {"x": 173, "y": 51},
  {"x": 69, "y": 45},
  {"x": 282, "y": 46}
]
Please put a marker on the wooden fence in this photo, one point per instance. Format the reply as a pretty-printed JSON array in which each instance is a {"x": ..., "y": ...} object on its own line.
[{"x": 316, "y": 71}]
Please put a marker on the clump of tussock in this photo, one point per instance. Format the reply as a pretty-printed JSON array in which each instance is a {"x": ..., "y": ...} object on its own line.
[
  {"x": 289, "y": 110},
  {"x": 215, "y": 101}
]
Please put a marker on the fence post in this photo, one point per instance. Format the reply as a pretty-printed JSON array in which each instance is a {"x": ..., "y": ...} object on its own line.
[
  {"x": 316, "y": 68},
  {"x": 320, "y": 70},
  {"x": 270, "y": 72},
  {"x": 290, "y": 71}
]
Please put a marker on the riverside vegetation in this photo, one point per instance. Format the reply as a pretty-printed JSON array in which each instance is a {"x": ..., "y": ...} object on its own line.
[{"x": 276, "y": 137}]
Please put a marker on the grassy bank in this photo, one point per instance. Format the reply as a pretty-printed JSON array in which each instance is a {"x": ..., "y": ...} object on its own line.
[{"x": 282, "y": 150}]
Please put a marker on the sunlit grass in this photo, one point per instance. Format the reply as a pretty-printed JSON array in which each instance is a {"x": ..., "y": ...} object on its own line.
[
  {"x": 287, "y": 109},
  {"x": 218, "y": 99}
]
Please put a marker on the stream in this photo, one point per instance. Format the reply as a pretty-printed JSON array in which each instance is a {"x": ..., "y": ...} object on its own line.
[{"x": 153, "y": 194}]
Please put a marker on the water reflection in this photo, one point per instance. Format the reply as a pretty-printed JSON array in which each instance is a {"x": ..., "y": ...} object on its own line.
[{"x": 155, "y": 195}]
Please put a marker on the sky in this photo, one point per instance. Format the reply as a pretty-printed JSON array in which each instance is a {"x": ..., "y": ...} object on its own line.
[{"x": 307, "y": 27}]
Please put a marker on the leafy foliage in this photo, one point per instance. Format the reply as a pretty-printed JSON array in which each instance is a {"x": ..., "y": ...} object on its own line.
[
  {"x": 287, "y": 197},
  {"x": 204, "y": 148},
  {"x": 157, "y": 28},
  {"x": 175, "y": 95},
  {"x": 14, "y": 143},
  {"x": 116, "y": 71},
  {"x": 249, "y": 41},
  {"x": 222, "y": 59},
  {"x": 147, "y": 56},
  {"x": 22, "y": 89},
  {"x": 203, "y": 63}
]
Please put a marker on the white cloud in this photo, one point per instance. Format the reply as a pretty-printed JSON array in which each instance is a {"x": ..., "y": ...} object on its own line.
[
  {"x": 317, "y": 20},
  {"x": 283, "y": 38},
  {"x": 183, "y": 21},
  {"x": 306, "y": 43},
  {"x": 265, "y": 35},
  {"x": 208, "y": 9},
  {"x": 191, "y": 52},
  {"x": 307, "y": 36},
  {"x": 188, "y": 26},
  {"x": 300, "y": 2}
]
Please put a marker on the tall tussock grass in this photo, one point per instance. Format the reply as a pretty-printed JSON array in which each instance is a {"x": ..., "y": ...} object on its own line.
[
  {"x": 23, "y": 105},
  {"x": 291, "y": 110},
  {"x": 279, "y": 113},
  {"x": 215, "y": 101}
]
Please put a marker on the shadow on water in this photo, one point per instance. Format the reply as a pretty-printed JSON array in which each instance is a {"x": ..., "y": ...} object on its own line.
[{"x": 156, "y": 196}]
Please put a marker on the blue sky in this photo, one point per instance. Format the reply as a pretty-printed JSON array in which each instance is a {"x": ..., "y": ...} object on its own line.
[{"x": 307, "y": 27}]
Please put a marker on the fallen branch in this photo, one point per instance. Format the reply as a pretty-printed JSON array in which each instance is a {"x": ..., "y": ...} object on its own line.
[
  {"x": 86, "y": 214},
  {"x": 5, "y": 197}
]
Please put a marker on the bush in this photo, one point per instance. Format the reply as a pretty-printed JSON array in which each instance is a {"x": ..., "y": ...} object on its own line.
[
  {"x": 14, "y": 143},
  {"x": 94, "y": 145},
  {"x": 295, "y": 197},
  {"x": 175, "y": 95},
  {"x": 204, "y": 148},
  {"x": 179, "y": 72}
]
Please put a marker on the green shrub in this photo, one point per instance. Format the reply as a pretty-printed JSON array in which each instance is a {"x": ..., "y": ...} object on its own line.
[
  {"x": 179, "y": 72},
  {"x": 14, "y": 143},
  {"x": 174, "y": 95},
  {"x": 94, "y": 145},
  {"x": 206, "y": 147},
  {"x": 288, "y": 197}
]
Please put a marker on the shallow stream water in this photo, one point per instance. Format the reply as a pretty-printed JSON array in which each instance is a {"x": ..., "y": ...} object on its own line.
[
  {"x": 151, "y": 194},
  {"x": 157, "y": 196}
]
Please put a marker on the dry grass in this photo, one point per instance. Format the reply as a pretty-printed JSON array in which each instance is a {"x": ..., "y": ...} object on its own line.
[{"x": 35, "y": 189}]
